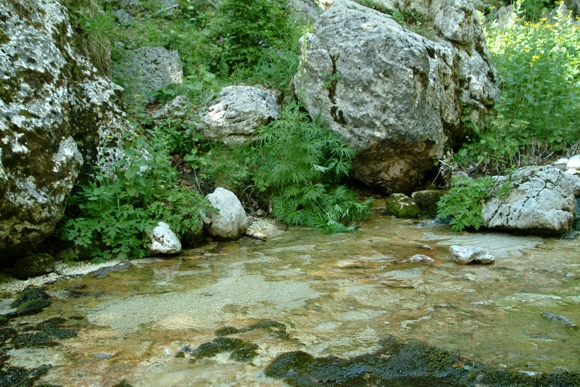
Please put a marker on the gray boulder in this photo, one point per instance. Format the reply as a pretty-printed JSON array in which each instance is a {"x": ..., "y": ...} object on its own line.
[
  {"x": 541, "y": 201},
  {"x": 465, "y": 255},
  {"x": 148, "y": 69},
  {"x": 164, "y": 240},
  {"x": 230, "y": 221},
  {"x": 56, "y": 113},
  {"x": 397, "y": 97},
  {"x": 237, "y": 112}
]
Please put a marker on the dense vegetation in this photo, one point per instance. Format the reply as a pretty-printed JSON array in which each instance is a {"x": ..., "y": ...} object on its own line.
[{"x": 294, "y": 168}]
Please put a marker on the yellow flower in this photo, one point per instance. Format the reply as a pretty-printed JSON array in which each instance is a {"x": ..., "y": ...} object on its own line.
[{"x": 534, "y": 59}]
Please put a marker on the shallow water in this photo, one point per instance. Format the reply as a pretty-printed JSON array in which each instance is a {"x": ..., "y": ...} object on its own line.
[{"x": 337, "y": 295}]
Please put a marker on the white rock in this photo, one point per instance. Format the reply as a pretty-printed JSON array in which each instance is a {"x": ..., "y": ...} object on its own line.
[
  {"x": 573, "y": 163},
  {"x": 572, "y": 171},
  {"x": 237, "y": 112},
  {"x": 465, "y": 255},
  {"x": 163, "y": 240},
  {"x": 231, "y": 221},
  {"x": 419, "y": 258},
  {"x": 541, "y": 201}
]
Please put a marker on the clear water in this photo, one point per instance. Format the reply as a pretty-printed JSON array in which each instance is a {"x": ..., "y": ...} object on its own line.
[{"x": 337, "y": 295}]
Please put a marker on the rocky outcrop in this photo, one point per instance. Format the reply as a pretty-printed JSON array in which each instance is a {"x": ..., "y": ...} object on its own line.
[
  {"x": 541, "y": 200},
  {"x": 54, "y": 107},
  {"x": 397, "y": 97},
  {"x": 230, "y": 221},
  {"x": 147, "y": 69},
  {"x": 237, "y": 112}
]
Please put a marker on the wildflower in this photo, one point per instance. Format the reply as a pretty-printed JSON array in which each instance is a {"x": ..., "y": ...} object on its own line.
[
  {"x": 534, "y": 59},
  {"x": 278, "y": 53},
  {"x": 221, "y": 39}
]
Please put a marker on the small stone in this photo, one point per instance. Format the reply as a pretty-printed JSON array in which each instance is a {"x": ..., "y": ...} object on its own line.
[
  {"x": 230, "y": 221},
  {"x": 419, "y": 258},
  {"x": 465, "y": 255},
  {"x": 573, "y": 163},
  {"x": 563, "y": 319}
]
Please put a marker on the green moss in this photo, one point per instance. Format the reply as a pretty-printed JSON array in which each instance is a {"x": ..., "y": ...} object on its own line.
[
  {"x": 123, "y": 383},
  {"x": 34, "y": 265},
  {"x": 275, "y": 328},
  {"x": 31, "y": 300},
  {"x": 9, "y": 87},
  {"x": 240, "y": 350},
  {"x": 404, "y": 365},
  {"x": 401, "y": 206},
  {"x": 21, "y": 377},
  {"x": 4, "y": 38},
  {"x": 427, "y": 201},
  {"x": 44, "y": 334}
]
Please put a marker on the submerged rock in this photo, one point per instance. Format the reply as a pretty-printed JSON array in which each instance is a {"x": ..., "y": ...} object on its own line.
[
  {"x": 563, "y": 319},
  {"x": 541, "y": 200},
  {"x": 230, "y": 221},
  {"x": 418, "y": 258},
  {"x": 397, "y": 364},
  {"x": 465, "y": 255},
  {"x": 397, "y": 97}
]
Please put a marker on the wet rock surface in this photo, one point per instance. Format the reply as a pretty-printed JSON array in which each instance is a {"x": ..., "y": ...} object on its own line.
[
  {"x": 231, "y": 312},
  {"x": 541, "y": 200}
]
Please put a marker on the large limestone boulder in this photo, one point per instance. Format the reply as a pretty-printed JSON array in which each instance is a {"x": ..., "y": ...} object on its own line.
[
  {"x": 237, "y": 112},
  {"x": 56, "y": 113},
  {"x": 230, "y": 221},
  {"x": 397, "y": 97},
  {"x": 541, "y": 201}
]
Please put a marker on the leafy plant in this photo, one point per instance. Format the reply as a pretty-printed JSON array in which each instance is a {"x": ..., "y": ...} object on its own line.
[
  {"x": 300, "y": 166},
  {"x": 464, "y": 202},
  {"x": 540, "y": 107},
  {"x": 245, "y": 30},
  {"x": 112, "y": 214}
]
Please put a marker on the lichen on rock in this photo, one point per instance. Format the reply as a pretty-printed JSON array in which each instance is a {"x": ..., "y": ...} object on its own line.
[{"x": 56, "y": 115}]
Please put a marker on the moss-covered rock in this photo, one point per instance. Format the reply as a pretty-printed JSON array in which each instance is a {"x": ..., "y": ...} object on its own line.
[
  {"x": 31, "y": 300},
  {"x": 34, "y": 265},
  {"x": 398, "y": 364},
  {"x": 427, "y": 201},
  {"x": 402, "y": 206}
]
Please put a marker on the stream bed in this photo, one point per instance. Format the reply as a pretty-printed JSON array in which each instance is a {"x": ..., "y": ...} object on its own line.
[{"x": 219, "y": 315}]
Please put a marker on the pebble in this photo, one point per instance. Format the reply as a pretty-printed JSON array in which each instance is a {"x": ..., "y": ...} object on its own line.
[{"x": 562, "y": 319}]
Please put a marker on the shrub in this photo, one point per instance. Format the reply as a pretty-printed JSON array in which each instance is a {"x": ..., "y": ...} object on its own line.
[
  {"x": 245, "y": 30},
  {"x": 464, "y": 202},
  {"x": 113, "y": 213},
  {"x": 300, "y": 167},
  {"x": 540, "y": 107}
]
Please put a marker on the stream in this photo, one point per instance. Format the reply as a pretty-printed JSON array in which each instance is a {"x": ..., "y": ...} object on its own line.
[{"x": 324, "y": 295}]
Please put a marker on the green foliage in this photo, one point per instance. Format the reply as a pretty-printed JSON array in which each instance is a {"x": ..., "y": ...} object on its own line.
[
  {"x": 113, "y": 213},
  {"x": 464, "y": 202},
  {"x": 301, "y": 165},
  {"x": 244, "y": 30},
  {"x": 539, "y": 111}
]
